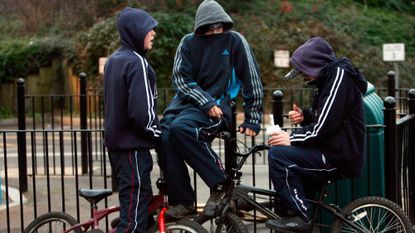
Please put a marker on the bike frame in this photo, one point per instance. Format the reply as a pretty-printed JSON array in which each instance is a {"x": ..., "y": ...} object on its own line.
[
  {"x": 97, "y": 215},
  {"x": 258, "y": 206},
  {"x": 270, "y": 214},
  {"x": 336, "y": 213},
  {"x": 236, "y": 175},
  {"x": 157, "y": 202},
  {"x": 161, "y": 220}
]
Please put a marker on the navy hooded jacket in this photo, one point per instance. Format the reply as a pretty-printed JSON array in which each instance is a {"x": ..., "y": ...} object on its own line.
[
  {"x": 130, "y": 90},
  {"x": 335, "y": 123}
]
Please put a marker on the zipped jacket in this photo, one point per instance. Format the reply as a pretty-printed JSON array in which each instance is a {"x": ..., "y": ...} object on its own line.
[
  {"x": 335, "y": 123},
  {"x": 130, "y": 91},
  {"x": 210, "y": 70}
]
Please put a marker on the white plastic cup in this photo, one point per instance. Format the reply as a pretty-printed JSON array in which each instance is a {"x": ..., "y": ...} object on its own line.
[{"x": 273, "y": 129}]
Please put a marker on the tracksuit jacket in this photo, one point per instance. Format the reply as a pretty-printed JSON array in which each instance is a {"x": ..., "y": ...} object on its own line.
[
  {"x": 131, "y": 122},
  {"x": 335, "y": 123},
  {"x": 210, "y": 70}
]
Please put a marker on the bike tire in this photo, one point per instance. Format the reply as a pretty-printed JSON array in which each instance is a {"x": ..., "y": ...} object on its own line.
[
  {"x": 52, "y": 222},
  {"x": 232, "y": 223},
  {"x": 375, "y": 214},
  {"x": 182, "y": 226}
]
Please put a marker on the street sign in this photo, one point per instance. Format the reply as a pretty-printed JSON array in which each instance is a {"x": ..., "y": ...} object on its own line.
[
  {"x": 282, "y": 58},
  {"x": 394, "y": 52}
]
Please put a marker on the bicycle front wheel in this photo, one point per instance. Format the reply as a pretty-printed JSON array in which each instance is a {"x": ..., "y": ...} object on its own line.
[
  {"x": 374, "y": 214},
  {"x": 52, "y": 222},
  {"x": 230, "y": 224},
  {"x": 182, "y": 226}
]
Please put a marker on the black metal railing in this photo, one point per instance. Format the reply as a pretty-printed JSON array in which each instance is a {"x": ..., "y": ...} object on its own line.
[
  {"x": 399, "y": 151},
  {"x": 54, "y": 173},
  {"x": 59, "y": 142}
]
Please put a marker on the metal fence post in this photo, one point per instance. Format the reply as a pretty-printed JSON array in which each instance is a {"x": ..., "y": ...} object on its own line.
[
  {"x": 230, "y": 145},
  {"x": 277, "y": 107},
  {"x": 21, "y": 135},
  {"x": 391, "y": 84},
  {"x": 411, "y": 101},
  {"x": 391, "y": 179},
  {"x": 411, "y": 159},
  {"x": 83, "y": 120}
]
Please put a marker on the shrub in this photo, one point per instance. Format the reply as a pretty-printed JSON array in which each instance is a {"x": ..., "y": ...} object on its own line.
[
  {"x": 102, "y": 39},
  {"x": 19, "y": 58}
]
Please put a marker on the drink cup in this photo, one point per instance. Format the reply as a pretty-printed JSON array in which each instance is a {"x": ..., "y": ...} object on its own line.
[{"x": 273, "y": 129}]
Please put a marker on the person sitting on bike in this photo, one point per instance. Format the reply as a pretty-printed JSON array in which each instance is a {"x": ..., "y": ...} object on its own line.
[
  {"x": 210, "y": 67},
  {"x": 331, "y": 140}
]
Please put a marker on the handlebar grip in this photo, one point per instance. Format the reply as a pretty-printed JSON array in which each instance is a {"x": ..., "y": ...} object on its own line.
[{"x": 225, "y": 135}]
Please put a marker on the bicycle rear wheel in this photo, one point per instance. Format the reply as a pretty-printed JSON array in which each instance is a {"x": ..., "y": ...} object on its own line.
[
  {"x": 374, "y": 214},
  {"x": 182, "y": 226},
  {"x": 52, "y": 222},
  {"x": 231, "y": 224}
]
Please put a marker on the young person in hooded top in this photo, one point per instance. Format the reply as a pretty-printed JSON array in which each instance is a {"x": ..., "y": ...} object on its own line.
[
  {"x": 331, "y": 140},
  {"x": 211, "y": 66},
  {"x": 131, "y": 123}
]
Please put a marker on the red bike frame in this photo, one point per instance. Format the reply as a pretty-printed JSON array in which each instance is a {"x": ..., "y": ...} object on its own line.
[{"x": 157, "y": 202}]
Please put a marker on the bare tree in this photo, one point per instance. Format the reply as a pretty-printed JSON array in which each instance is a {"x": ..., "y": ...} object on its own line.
[{"x": 38, "y": 15}]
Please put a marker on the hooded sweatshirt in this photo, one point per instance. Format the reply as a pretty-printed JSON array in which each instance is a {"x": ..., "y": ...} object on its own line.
[
  {"x": 209, "y": 70},
  {"x": 130, "y": 90},
  {"x": 335, "y": 123}
]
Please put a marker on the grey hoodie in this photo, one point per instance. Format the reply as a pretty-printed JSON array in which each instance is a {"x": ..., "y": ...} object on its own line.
[{"x": 210, "y": 12}]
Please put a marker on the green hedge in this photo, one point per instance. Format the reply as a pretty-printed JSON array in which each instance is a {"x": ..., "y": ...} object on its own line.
[
  {"x": 102, "y": 39},
  {"x": 355, "y": 28},
  {"x": 21, "y": 57}
]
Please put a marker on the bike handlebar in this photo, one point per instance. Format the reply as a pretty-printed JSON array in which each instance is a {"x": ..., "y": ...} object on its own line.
[{"x": 254, "y": 149}]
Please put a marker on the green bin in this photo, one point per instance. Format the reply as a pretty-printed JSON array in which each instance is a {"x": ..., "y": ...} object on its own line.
[{"x": 372, "y": 182}]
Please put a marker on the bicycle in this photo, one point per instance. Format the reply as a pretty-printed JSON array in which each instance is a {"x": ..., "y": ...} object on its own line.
[
  {"x": 65, "y": 223},
  {"x": 366, "y": 214}
]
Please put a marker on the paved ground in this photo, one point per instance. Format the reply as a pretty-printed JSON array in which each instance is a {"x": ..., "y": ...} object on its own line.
[
  {"x": 50, "y": 195},
  {"x": 39, "y": 203}
]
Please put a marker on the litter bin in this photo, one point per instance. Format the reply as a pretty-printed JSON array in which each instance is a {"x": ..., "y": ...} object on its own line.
[{"x": 372, "y": 181}]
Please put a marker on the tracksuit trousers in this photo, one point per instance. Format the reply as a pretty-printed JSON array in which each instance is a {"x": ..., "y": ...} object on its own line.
[
  {"x": 182, "y": 143},
  {"x": 132, "y": 169},
  {"x": 296, "y": 170}
]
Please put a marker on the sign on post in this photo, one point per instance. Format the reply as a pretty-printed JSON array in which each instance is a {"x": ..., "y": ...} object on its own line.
[
  {"x": 394, "y": 52},
  {"x": 282, "y": 58}
]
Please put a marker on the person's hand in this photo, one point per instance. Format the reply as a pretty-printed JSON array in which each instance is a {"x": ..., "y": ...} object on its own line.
[
  {"x": 280, "y": 138},
  {"x": 296, "y": 115},
  {"x": 247, "y": 131},
  {"x": 215, "y": 112}
]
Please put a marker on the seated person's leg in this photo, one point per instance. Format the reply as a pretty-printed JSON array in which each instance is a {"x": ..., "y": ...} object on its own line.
[
  {"x": 164, "y": 141},
  {"x": 197, "y": 152},
  {"x": 289, "y": 165},
  {"x": 179, "y": 190}
]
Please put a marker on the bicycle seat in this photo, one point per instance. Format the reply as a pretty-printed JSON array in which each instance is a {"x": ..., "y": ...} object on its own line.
[{"x": 93, "y": 196}]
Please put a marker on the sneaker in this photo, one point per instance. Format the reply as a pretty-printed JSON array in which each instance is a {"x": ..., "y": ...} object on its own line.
[
  {"x": 179, "y": 211},
  {"x": 293, "y": 224},
  {"x": 216, "y": 195}
]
